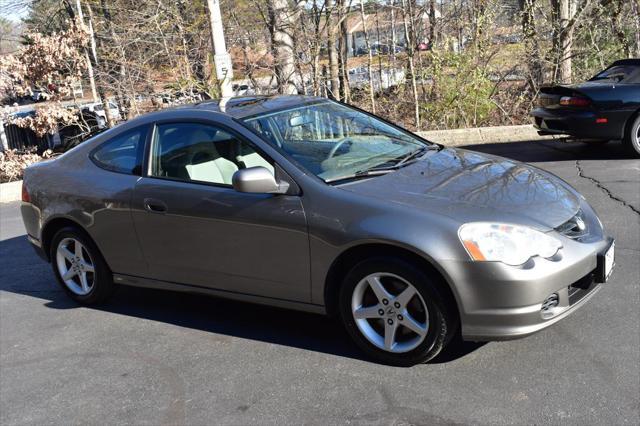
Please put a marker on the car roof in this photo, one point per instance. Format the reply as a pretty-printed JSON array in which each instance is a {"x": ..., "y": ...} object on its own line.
[
  {"x": 247, "y": 106},
  {"x": 635, "y": 61}
]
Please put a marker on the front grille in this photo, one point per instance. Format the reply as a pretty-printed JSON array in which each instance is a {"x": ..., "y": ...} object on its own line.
[{"x": 575, "y": 228}]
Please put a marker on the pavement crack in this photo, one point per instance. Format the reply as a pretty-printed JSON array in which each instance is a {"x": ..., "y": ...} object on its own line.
[{"x": 606, "y": 190}]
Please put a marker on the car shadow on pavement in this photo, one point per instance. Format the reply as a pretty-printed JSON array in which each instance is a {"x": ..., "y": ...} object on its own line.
[
  {"x": 30, "y": 276},
  {"x": 553, "y": 150}
]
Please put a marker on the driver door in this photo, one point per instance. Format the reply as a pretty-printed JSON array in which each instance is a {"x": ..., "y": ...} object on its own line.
[{"x": 195, "y": 229}]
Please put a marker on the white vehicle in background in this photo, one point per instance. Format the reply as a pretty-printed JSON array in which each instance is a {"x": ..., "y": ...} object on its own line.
[
  {"x": 243, "y": 89},
  {"x": 98, "y": 110}
]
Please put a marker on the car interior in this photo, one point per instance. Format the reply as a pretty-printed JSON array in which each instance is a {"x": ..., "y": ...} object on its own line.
[
  {"x": 202, "y": 153},
  {"x": 327, "y": 147}
]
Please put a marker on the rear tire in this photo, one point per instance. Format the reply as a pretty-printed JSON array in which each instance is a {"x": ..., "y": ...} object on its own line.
[
  {"x": 79, "y": 267},
  {"x": 392, "y": 297},
  {"x": 632, "y": 138}
]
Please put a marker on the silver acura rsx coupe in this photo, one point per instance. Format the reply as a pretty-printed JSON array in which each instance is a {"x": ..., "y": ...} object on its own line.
[{"x": 310, "y": 204}]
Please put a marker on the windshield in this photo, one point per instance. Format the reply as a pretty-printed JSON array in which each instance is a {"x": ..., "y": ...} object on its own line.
[{"x": 334, "y": 141}]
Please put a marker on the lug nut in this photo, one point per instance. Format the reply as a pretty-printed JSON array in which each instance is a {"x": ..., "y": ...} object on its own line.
[
  {"x": 400, "y": 318},
  {"x": 390, "y": 321},
  {"x": 385, "y": 302},
  {"x": 380, "y": 312},
  {"x": 397, "y": 305}
]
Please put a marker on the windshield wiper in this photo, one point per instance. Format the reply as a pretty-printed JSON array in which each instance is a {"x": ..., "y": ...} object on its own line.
[
  {"x": 406, "y": 159},
  {"x": 383, "y": 170},
  {"x": 416, "y": 153}
]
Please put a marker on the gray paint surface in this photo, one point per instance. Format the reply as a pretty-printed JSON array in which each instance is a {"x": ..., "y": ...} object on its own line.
[{"x": 152, "y": 357}]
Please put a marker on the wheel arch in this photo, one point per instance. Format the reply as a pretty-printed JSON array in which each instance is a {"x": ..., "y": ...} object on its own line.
[
  {"x": 629, "y": 122},
  {"x": 54, "y": 225},
  {"x": 356, "y": 254}
]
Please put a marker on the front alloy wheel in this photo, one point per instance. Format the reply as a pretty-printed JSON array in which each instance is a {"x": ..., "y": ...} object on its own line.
[
  {"x": 396, "y": 312},
  {"x": 389, "y": 312}
]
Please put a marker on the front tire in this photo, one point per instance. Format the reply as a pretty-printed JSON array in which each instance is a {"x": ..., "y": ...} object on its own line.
[
  {"x": 632, "y": 138},
  {"x": 80, "y": 268},
  {"x": 395, "y": 312}
]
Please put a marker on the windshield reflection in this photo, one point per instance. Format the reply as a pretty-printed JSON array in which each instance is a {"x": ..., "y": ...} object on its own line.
[{"x": 334, "y": 141}]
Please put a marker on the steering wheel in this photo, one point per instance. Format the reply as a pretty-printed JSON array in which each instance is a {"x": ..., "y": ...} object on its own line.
[{"x": 337, "y": 146}]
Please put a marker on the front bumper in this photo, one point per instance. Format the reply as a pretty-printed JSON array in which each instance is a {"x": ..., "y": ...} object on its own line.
[
  {"x": 579, "y": 124},
  {"x": 501, "y": 302}
]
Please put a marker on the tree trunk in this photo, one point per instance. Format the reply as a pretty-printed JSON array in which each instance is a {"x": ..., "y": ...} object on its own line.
[
  {"x": 379, "y": 41},
  {"x": 394, "y": 40},
  {"x": 432, "y": 24},
  {"x": 532, "y": 45},
  {"x": 370, "y": 58},
  {"x": 332, "y": 51},
  {"x": 248, "y": 65},
  {"x": 92, "y": 80},
  {"x": 280, "y": 20},
  {"x": 100, "y": 87},
  {"x": 407, "y": 11},
  {"x": 343, "y": 53},
  {"x": 635, "y": 6},
  {"x": 316, "y": 14},
  {"x": 618, "y": 29},
  {"x": 126, "y": 101},
  {"x": 563, "y": 15}
]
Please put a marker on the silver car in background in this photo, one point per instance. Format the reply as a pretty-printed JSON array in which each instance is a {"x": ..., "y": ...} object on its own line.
[
  {"x": 310, "y": 204},
  {"x": 98, "y": 109}
]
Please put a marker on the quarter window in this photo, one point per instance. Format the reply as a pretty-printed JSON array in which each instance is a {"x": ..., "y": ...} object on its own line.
[
  {"x": 201, "y": 153},
  {"x": 122, "y": 154}
]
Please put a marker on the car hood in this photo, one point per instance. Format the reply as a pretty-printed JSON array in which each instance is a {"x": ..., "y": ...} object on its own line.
[{"x": 469, "y": 186}]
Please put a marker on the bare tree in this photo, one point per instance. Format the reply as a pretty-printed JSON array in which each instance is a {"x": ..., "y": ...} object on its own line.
[
  {"x": 332, "y": 50},
  {"x": 281, "y": 27},
  {"x": 369, "y": 57},
  {"x": 566, "y": 15},
  {"x": 531, "y": 43},
  {"x": 407, "y": 8}
]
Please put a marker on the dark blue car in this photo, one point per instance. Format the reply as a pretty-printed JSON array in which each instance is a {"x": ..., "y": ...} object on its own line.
[{"x": 606, "y": 107}]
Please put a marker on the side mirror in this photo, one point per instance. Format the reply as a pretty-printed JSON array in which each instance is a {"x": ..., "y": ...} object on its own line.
[{"x": 257, "y": 180}]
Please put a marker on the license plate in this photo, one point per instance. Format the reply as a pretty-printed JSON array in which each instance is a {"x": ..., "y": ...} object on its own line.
[{"x": 609, "y": 260}]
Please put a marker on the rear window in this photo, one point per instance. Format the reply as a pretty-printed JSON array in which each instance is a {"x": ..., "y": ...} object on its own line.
[
  {"x": 619, "y": 74},
  {"x": 123, "y": 153}
]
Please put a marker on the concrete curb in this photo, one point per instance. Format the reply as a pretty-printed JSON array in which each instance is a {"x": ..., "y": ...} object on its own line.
[
  {"x": 484, "y": 135},
  {"x": 10, "y": 191}
]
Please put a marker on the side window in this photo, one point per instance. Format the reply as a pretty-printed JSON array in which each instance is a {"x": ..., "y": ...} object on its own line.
[
  {"x": 123, "y": 153},
  {"x": 201, "y": 153}
]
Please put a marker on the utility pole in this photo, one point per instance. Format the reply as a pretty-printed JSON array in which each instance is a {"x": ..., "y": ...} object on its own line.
[{"x": 221, "y": 58}]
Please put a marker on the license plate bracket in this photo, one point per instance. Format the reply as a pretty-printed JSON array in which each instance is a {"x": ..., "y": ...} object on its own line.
[{"x": 606, "y": 262}]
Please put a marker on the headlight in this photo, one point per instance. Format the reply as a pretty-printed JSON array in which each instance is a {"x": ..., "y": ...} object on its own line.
[{"x": 510, "y": 244}]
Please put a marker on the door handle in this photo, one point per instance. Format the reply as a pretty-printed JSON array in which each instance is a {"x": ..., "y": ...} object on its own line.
[{"x": 155, "y": 206}]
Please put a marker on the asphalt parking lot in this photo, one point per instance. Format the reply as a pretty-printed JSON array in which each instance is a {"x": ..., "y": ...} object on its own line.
[{"x": 151, "y": 357}]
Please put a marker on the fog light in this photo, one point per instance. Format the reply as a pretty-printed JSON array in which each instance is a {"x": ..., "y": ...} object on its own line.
[{"x": 550, "y": 302}]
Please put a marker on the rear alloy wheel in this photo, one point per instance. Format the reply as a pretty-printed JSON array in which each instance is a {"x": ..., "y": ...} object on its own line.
[
  {"x": 632, "y": 139},
  {"x": 395, "y": 312},
  {"x": 75, "y": 266},
  {"x": 80, "y": 268}
]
